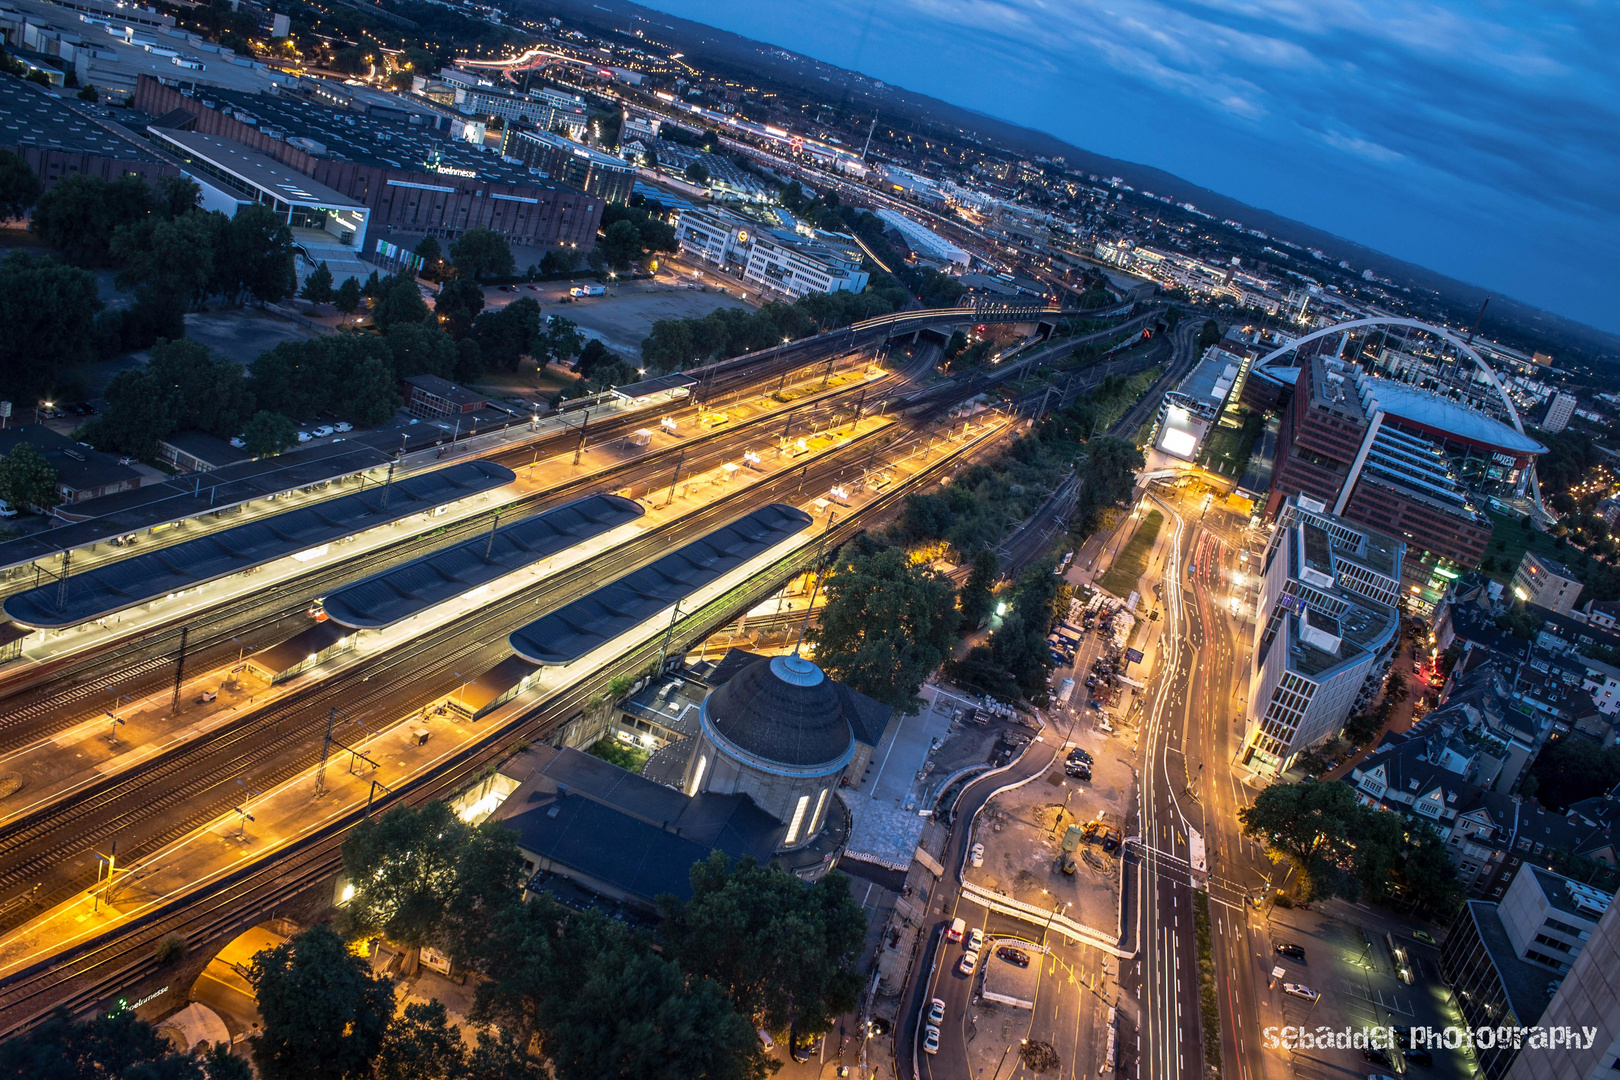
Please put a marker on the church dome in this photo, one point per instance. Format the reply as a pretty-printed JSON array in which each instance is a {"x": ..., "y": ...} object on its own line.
[{"x": 783, "y": 709}]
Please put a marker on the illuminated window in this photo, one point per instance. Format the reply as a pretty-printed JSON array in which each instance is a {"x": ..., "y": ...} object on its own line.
[
  {"x": 798, "y": 818},
  {"x": 821, "y": 804},
  {"x": 697, "y": 776}
]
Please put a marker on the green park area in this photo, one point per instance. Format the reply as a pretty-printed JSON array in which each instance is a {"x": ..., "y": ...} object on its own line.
[{"x": 1131, "y": 563}]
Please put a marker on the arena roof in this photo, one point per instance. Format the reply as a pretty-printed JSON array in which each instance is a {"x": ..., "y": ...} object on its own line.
[
  {"x": 123, "y": 584},
  {"x": 398, "y": 593},
  {"x": 1444, "y": 416},
  {"x": 570, "y": 632}
]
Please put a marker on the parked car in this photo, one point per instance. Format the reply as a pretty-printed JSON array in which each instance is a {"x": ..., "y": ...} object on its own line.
[
  {"x": 1079, "y": 772},
  {"x": 1016, "y": 957},
  {"x": 238, "y": 442},
  {"x": 304, "y": 436},
  {"x": 322, "y": 432},
  {"x": 1290, "y": 950},
  {"x": 342, "y": 425},
  {"x": 1423, "y": 936},
  {"x": 1375, "y": 1055},
  {"x": 936, "y": 1011},
  {"x": 931, "y": 1039},
  {"x": 5, "y": 510},
  {"x": 1078, "y": 754},
  {"x": 1418, "y": 1056},
  {"x": 970, "y": 960},
  {"x": 976, "y": 855},
  {"x": 1300, "y": 990}
]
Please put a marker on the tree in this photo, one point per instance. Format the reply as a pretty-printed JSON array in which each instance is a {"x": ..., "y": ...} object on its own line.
[
  {"x": 402, "y": 303},
  {"x": 168, "y": 261},
  {"x": 594, "y": 355},
  {"x": 697, "y": 174},
  {"x": 318, "y": 285},
  {"x": 469, "y": 361},
  {"x": 560, "y": 342},
  {"x": 424, "y": 877},
  {"x": 78, "y": 216},
  {"x": 209, "y": 395},
  {"x": 785, "y": 952},
  {"x": 108, "y": 1048},
  {"x": 507, "y": 334},
  {"x": 421, "y": 349},
  {"x": 88, "y": 93},
  {"x": 503, "y": 1057},
  {"x": 886, "y": 626},
  {"x": 1311, "y": 825},
  {"x": 347, "y": 299},
  {"x": 27, "y": 479},
  {"x": 481, "y": 253},
  {"x": 269, "y": 433},
  {"x": 176, "y": 196},
  {"x": 976, "y": 598},
  {"x": 457, "y": 305},
  {"x": 621, "y": 244},
  {"x": 48, "y": 310},
  {"x": 422, "y": 1044},
  {"x": 19, "y": 187},
  {"x": 324, "y": 1013},
  {"x": 432, "y": 256},
  {"x": 558, "y": 261},
  {"x": 257, "y": 260},
  {"x": 1427, "y": 876}
]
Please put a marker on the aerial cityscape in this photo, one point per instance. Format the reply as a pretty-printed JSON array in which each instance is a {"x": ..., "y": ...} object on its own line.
[{"x": 426, "y": 654}]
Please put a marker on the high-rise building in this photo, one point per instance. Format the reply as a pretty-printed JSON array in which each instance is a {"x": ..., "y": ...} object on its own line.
[
  {"x": 1325, "y": 630},
  {"x": 1546, "y": 583},
  {"x": 1589, "y": 997},
  {"x": 1393, "y": 457},
  {"x": 1559, "y": 410}
]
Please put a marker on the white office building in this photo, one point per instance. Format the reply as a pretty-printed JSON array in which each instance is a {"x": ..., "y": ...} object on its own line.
[
  {"x": 777, "y": 260},
  {"x": 925, "y": 241},
  {"x": 1326, "y": 626}
]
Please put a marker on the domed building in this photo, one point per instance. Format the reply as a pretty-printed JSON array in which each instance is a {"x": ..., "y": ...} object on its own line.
[{"x": 780, "y": 731}]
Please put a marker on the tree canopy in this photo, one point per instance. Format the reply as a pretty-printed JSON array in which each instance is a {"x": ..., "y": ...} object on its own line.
[
  {"x": 117, "y": 1047},
  {"x": 887, "y": 624},
  {"x": 325, "y": 1014},
  {"x": 49, "y": 311},
  {"x": 27, "y": 479},
  {"x": 481, "y": 253}
]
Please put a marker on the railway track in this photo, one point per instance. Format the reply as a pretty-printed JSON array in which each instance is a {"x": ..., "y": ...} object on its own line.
[
  {"x": 64, "y": 696},
  {"x": 100, "y": 970}
]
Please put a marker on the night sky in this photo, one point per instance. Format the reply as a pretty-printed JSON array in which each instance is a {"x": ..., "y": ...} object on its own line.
[{"x": 1481, "y": 140}]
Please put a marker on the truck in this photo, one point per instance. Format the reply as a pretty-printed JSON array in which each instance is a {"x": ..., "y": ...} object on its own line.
[{"x": 588, "y": 290}]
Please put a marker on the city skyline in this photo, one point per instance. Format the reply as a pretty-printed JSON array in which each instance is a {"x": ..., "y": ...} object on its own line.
[{"x": 1470, "y": 144}]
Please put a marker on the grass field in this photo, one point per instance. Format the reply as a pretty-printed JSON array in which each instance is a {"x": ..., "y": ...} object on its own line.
[{"x": 1121, "y": 578}]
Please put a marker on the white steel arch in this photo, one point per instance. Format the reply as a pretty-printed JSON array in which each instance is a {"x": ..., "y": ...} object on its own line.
[{"x": 1415, "y": 324}]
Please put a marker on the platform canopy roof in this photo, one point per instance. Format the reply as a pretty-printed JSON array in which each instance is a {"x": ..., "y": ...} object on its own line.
[
  {"x": 124, "y": 584},
  {"x": 574, "y": 630}
]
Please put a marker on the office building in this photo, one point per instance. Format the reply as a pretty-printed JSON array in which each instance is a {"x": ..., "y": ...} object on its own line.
[
  {"x": 488, "y": 102},
  {"x": 1546, "y": 583},
  {"x": 927, "y": 243},
  {"x": 1505, "y": 961},
  {"x": 411, "y": 176},
  {"x": 554, "y": 157},
  {"x": 1397, "y": 458},
  {"x": 59, "y": 140},
  {"x": 772, "y": 258},
  {"x": 1325, "y": 629},
  {"x": 1559, "y": 410},
  {"x": 1589, "y": 997},
  {"x": 1188, "y": 412}
]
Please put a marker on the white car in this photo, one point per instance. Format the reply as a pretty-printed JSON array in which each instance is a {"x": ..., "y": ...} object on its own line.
[
  {"x": 1300, "y": 990},
  {"x": 5, "y": 510},
  {"x": 322, "y": 432},
  {"x": 976, "y": 855},
  {"x": 930, "y": 1039},
  {"x": 975, "y": 940},
  {"x": 342, "y": 425},
  {"x": 936, "y": 1011},
  {"x": 304, "y": 436},
  {"x": 238, "y": 442},
  {"x": 970, "y": 960}
]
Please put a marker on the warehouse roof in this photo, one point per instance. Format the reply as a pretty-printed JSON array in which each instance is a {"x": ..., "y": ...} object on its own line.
[
  {"x": 29, "y": 115},
  {"x": 574, "y": 630},
  {"x": 402, "y": 591},
  {"x": 123, "y": 584}
]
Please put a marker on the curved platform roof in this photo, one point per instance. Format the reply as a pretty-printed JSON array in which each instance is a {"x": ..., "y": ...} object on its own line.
[
  {"x": 575, "y": 629},
  {"x": 402, "y": 591},
  {"x": 1446, "y": 417},
  {"x": 123, "y": 584}
]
